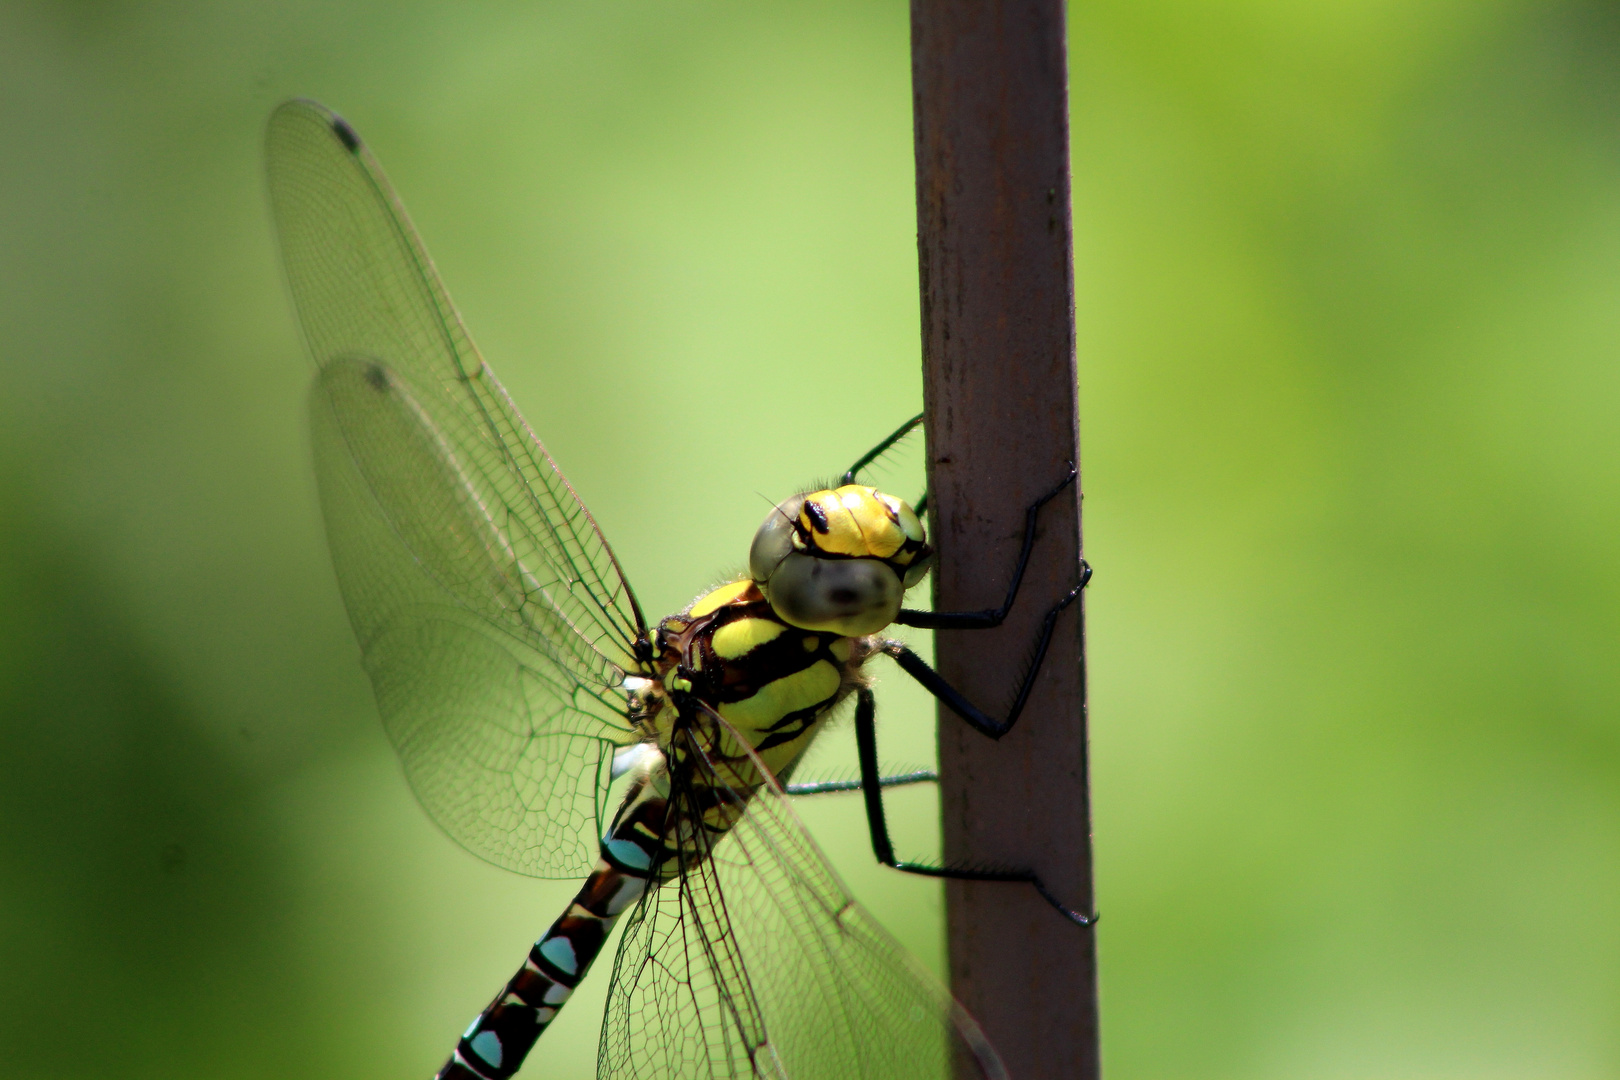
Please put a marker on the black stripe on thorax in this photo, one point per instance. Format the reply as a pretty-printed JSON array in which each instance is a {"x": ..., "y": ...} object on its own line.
[
  {"x": 791, "y": 726},
  {"x": 739, "y": 678}
]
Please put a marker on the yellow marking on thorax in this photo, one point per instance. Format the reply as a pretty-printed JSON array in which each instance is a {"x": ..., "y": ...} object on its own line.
[
  {"x": 754, "y": 715},
  {"x": 776, "y": 758},
  {"x": 725, "y": 594},
  {"x": 739, "y": 638}
]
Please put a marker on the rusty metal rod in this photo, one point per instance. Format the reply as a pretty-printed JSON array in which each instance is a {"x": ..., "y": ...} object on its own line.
[{"x": 990, "y": 96}]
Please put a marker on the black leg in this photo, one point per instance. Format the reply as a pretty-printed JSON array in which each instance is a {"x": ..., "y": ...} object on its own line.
[
  {"x": 877, "y": 451},
  {"x": 883, "y": 848},
  {"x": 977, "y": 718},
  {"x": 866, "y": 748},
  {"x": 983, "y": 620},
  {"x": 823, "y": 787}
]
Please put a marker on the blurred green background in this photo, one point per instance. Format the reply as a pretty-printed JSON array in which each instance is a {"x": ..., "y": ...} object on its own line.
[{"x": 1349, "y": 309}]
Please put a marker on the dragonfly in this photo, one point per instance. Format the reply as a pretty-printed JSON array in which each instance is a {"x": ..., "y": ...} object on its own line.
[{"x": 524, "y": 689}]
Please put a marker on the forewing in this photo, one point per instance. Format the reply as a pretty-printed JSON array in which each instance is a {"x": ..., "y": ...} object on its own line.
[
  {"x": 503, "y": 742},
  {"x": 494, "y": 622},
  {"x": 758, "y": 963}
]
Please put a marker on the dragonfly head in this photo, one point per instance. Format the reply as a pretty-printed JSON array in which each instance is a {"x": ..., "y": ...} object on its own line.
[{"x": 839, "y": 560}]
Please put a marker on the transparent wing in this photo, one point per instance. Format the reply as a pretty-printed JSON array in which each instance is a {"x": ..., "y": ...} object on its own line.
[
  {"x": 896, "y": 465},
  {"x": 491, "y": 614},
  {"x": 756, "y": 962}
]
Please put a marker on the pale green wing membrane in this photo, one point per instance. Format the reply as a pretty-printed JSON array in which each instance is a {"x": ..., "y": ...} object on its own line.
[
  {"x": 757, "y": 963},
  {"x": 493, "y": 619}
]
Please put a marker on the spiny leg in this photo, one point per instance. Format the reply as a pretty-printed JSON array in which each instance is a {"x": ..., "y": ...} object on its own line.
[
  {"x": 881, "y": 448},
  {"x": 877, "y": 822},
  {"x": 977, "y": 718},
  {"x": 851, "y": 475},
  {"x": 823, "y": 787},
  {"x": 990, "y": 617}
]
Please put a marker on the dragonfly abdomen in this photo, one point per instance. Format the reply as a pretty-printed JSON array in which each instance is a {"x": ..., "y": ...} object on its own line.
[{"x": 494, "y": 1046}]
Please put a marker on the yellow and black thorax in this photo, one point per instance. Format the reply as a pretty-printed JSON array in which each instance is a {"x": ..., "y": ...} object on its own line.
[
  {"x": 774, "y": 652},
  {"x": 771, "y": 681}
]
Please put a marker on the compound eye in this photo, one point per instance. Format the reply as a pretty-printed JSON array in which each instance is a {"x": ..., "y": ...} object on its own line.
[
  {"x": 909, "y": 523},
  {"x": 775, "y": 540},
  {"x": 849, "y": 597},
  {"x": 919, "y": 569}
]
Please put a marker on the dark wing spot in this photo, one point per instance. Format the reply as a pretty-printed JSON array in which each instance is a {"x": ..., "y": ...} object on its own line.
[
  {"x": 817, "y": 516},
  {"x": 346, "y": 134},
  {"x": 377, "y": 376},
  {"x": 844, "y": 596}
]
